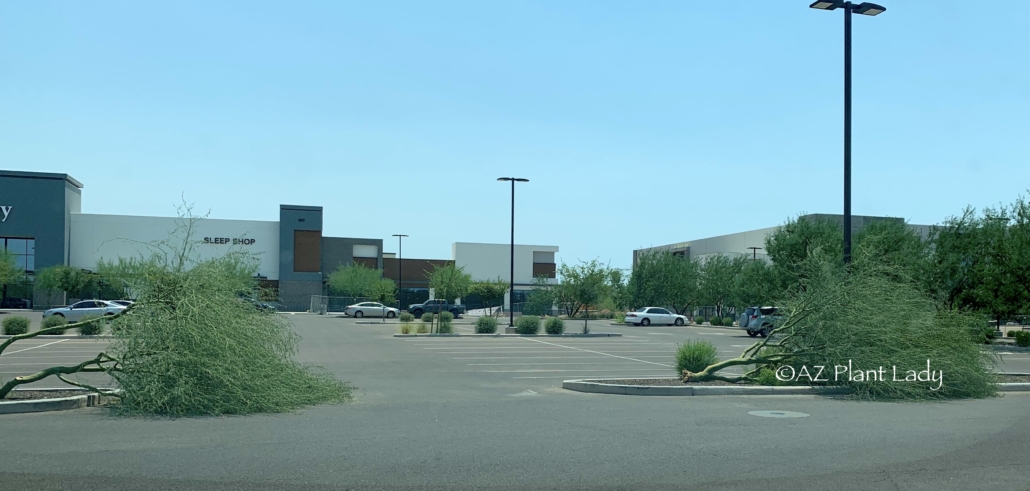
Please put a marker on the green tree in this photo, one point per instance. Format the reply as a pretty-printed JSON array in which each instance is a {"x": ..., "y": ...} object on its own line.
[
  {"x": 9, "y": 270},
  {"x": 449, "y": 282},
  {"x": 718, "y": 274},
  {"x": 662, "y": 278},
  {"x": 491, "y": 292},
  {"x": 355, "y": 280},
  {"x": 540, "y": 299},
  {"x": 618, "y": 290},
  {"x": 383, "y": 291},
  {"x": 581, "y": 285},
  {"x": 59, "y": 278},
  {"x": 897, "y": 246},
  {"x": 792, "y": 244},
  {"x": 755, "y": 285}
]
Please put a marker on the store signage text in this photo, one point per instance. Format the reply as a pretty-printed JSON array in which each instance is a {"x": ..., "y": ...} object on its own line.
[
  {"x": 228, "y": 240},
  {"x": 7, "y": 211}
]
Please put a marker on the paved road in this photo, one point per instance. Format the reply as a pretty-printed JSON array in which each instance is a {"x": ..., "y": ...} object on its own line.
[{"x": 429, "y": 415}]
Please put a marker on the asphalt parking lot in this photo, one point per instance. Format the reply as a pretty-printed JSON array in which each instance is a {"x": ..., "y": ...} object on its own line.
[{"x": 489, "y": 413}]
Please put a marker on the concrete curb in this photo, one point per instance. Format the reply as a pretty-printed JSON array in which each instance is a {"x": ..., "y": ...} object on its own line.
[
  {"x": 62, "y": 336},
  {"x": 87, "y": 399},
  {"x": 588, "y": 385},
  {"x": 499, "y": 335}
]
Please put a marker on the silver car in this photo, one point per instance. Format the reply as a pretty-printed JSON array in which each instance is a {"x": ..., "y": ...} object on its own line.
[
  {"x": 646, "y": 316},
  {"x": 371, "y": 309},
  {"x": 79, "y": 310},
  {"x": 759, "y": 320}
]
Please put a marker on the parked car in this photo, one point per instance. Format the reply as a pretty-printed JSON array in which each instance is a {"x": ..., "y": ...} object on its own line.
[
  {"x": 79, "y": 310},
  {"x": 646, "y": 316},
  {"x": 371, "y": 309},
  {"x": 435, "y": 306},
  {"x": 123, "y": 303},
  {"x": 258, "y": 304},
  {"x": 759, "y": 320}
]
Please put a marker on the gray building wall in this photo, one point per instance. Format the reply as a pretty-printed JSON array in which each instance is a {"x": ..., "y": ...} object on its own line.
[
  {"x": 296, "y": 288},
  {"x": 339, "y": 251},
  {"x": 41, "y": 206}
]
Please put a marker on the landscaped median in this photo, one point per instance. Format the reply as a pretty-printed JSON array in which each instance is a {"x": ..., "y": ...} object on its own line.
[
  {"x": 673, "y": 386},
  {"x": 29, "y": 400}
]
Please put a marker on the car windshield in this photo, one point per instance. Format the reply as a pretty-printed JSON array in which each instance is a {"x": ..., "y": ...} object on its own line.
[{"x": 642, "y": 309}]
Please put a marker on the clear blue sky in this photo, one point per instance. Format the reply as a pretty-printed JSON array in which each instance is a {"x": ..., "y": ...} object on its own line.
[{"x": 639, "y": 123}]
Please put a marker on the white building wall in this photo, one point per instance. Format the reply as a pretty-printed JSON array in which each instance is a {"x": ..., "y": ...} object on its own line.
[
  {"x": 95, "y": 237},
  {"x": 490, "y": 261}
]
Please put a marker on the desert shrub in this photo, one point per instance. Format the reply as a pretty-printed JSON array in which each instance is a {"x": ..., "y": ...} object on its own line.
[
  {"x": 486, "y": 325},
  {"x": 54, "y": 321},
  {"x": 715, "y": 321},
  {"x": 554, "y": 325},
  {"x": 446, "y": 317},
  {"x": 427, "y": 317},
  {"x": 406, "y": 317},
  {"x": 422, "y": 329},
  {"x": 527, "y": 324},
  {"x": 16, "y": 325},
  {"x": 1023, "y": 339},
  {"x": 767, "y": 376},
  {"x": 694, "y": 356},
  {"x": 728, "y": 321},
  {"x": 93, "y": 328},
  {"x": 406, "y": 328},
  {"x": 1011, "y": 334}
]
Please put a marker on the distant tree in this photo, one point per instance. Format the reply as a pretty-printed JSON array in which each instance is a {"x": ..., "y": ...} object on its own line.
[
  {"x": 791, "y": 244},
  {"x": 581, "y": 285},
  {"x": 755, "y": 285},
  {"x": 661, "y": 278},
  {"x": 540, "y": 299},
  {"x": 490, "y": 291},
  {"x": 718, "y": 274},
  {"x": 383, "y": 291},
  {"x": 355, "y": 280},
  {"x": 618, "y": 289},
  {"x": 9, "y": 270},
  {"x": 76, "y": 282},
  {"x": 449, "y": 282}
]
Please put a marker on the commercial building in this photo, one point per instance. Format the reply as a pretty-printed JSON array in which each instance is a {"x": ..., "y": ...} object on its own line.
[
  {"x": 42, "y": 225},
  {"x": 751, "y": 243}
]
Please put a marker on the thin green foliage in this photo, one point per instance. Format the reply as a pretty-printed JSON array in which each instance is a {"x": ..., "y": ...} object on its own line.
[
  {"x": 16, "y": 325},
  {"x": 486, "y": 325},
  {"x": 695, "y": 355}
]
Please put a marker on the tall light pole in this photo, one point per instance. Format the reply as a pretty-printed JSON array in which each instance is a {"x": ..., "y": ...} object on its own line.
[
  {"x": 755, "y": 249},
  {"x": 864, "y": 8},
  {"x": 511, "y": 289},
  {"x": 400, "y": 270}
]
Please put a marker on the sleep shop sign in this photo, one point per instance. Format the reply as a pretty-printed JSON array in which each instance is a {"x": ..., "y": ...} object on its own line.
[{"x": 228, "y": 240}]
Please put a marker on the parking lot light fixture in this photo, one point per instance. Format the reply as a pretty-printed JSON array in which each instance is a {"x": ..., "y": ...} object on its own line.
[
  {"x": 864, "y": 8},
  {"x": 511, "y": 287},
  {"x": 755, "y": 252}
]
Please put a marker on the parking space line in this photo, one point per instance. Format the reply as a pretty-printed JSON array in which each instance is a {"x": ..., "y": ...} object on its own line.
[
  {"x": 542, "y": 371},
  {"x": 567, "y": 377},
  {"x": 576, "y": 357},
  {"x": 537, "y": 364},
  {"x": 597, "y": 352},
  {"x": 34, "y": 347}
]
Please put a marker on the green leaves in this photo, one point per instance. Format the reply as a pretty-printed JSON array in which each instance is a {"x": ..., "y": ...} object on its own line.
[
  {"x": 9, "y": 270},
  {"x": 663, "y": 279},
  {"x": 355, "y": 280},
  {"x": 584, "y": 284},
  {"x": 449, "y": 282},
  {"x": 491, "y": 292}
]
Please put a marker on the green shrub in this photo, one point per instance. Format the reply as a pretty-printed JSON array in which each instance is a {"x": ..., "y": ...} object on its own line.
[
  {"x": 422, "y": 329},
  {"x": 767, "y": 376},
  {"x": 443, "y": 328},
  {"x": 427, "y": 318},
  {"x": 1011, "y": 334},
  {"x": 694, "y": 356},
  {"x": 446, "y": 317},
  {"x": 406, "y": 317},
  {"x": 16, "y": 325},
  {"x": 91, "y": 329},
  {"x": 54, "y": 321},
  {"x": 1023, "y": 339},
  {"x": 406, "y": 328},
  {"x": 728, "y": 321},
  {"x": 527, "y": 324},
  {"x": 715, "y": 321},
  {"x": 554, "y": 325},
  {"x": 486, "y": 325}
]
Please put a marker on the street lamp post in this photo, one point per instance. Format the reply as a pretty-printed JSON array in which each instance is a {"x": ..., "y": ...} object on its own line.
[
  {"x": 755, "y": 251},
  {"x": 400, "y": 270},
  {"x": 511, "y": 288},
  {"x": 864, "y": 8}
]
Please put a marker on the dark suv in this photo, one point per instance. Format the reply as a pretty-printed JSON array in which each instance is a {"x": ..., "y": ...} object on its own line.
[{"x": 759, "y": 320}]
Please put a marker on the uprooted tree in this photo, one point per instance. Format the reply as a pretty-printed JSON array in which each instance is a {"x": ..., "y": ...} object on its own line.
[
  {"x": 865, "y": 317},
  {"x": 189, "y": 346}
]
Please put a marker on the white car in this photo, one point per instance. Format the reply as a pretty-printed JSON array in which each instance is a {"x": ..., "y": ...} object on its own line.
[
  {"x": 79, "y": 310},
  {"x": 371, "y": 309},
  {"x": 645, "y": 316}
]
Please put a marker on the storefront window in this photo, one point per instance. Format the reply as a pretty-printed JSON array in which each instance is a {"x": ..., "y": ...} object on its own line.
[{"x": 18, "y": 294}]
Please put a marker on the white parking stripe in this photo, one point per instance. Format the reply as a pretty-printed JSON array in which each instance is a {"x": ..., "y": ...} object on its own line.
[
  {"x": 537, "y": 364},
  {"x": 597, "y": 352},
  {"x": 544, "y": 371},
  {"x": 574, "y": 357},
  {"x": 567, "y": 377},
  {"x": 34, "y": 347}
]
